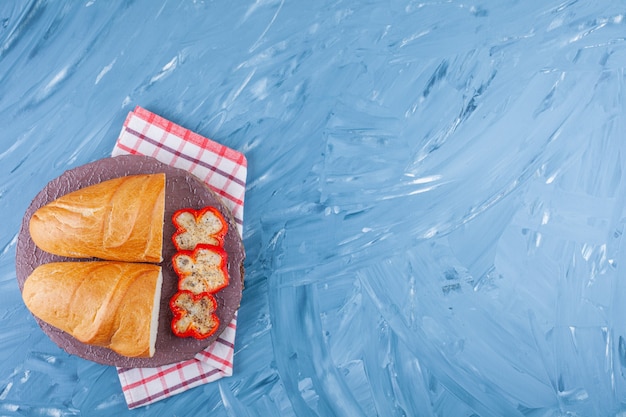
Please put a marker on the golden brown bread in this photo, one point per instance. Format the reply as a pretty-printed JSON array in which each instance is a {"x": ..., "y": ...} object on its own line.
[
  {"x": 119, "y": 219},
  {"x": 102, "y": 303}
]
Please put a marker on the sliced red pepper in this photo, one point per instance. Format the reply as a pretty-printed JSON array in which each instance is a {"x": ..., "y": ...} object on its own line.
[
  {"x": 204, "y": 269},
  {"x": 194, "y": 315},
  {"x": 194, "y": 227}
]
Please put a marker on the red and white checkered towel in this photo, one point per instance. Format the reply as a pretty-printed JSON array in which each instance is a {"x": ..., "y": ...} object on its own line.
[{"x": 224, "y": 170}]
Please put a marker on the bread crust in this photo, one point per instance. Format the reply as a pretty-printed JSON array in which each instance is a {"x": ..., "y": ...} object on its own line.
[
  {"x": 102, "y": 303},
  {"x": 120, "y": 219}
]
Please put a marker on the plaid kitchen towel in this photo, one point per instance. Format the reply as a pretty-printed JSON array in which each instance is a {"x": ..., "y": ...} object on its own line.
[{"x": 224, "y": 170}]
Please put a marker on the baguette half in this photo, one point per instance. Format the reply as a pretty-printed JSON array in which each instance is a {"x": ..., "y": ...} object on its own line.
[
  {"x": 102, "y": 303},
  {"x": 119, "y": 219}
]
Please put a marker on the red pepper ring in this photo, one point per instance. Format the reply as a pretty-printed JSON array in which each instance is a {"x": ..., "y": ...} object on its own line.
[
  {"x": 194, "y": 227},
  {"x": 204, "y": 269},
  {"x": 194, "y": 315}
]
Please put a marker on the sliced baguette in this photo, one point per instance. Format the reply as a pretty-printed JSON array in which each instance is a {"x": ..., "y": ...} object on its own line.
[
  {"x": 102, "y": 303},
  {"x": 119, "y": 219}
]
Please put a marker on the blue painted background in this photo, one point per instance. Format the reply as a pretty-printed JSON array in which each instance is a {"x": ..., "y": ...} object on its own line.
[{"x": 434, "y": 216}]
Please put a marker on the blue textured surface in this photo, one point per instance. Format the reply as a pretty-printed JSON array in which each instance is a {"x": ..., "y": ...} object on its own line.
[{"x": 435, "y": 210}]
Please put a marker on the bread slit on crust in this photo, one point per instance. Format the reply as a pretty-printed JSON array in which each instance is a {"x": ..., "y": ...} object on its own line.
[
  {"x": 120, "y": 219},
  {"x": 102, "y": 303}
]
